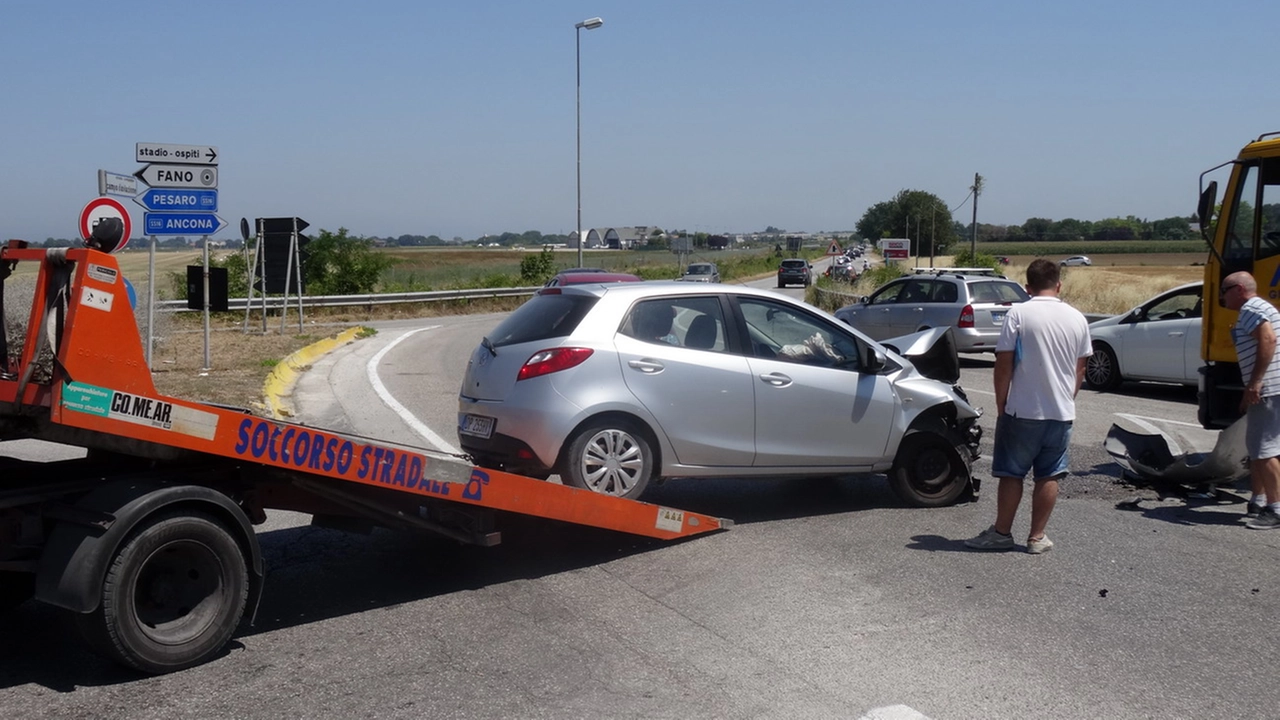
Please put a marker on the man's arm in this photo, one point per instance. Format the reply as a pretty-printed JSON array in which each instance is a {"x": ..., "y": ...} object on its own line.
[
  {"x": 1266, "y": 338},
  {"x": 1003, "y": 376},
  {"x": 1080, "y": 363}
]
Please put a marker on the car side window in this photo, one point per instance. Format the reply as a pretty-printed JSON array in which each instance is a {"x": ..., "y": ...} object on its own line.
[
  {"x": 1175, "y": 307},
  {"x": 917, "y": 291},
  {"x": 652, "y": 322},
  {"x": 944, "y": 292},
  {"x": 887, "y": 294},
  {"x": 780, "y": 332}
]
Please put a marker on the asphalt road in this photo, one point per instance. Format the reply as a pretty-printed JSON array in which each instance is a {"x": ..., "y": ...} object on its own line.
[{"x": 827, "y": 599}]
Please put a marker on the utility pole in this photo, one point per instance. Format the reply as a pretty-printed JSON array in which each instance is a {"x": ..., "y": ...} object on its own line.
[{"x": 977, "y": 190}]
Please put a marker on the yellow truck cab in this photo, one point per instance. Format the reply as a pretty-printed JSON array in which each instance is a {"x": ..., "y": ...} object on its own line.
[{"x": 1243, "y": 234}]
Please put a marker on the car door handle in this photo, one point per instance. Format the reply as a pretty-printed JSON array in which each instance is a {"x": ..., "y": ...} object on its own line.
[
  {"x": 648, "y": 367},
  {"x": 776, "y": 379},
  {"x": 1177, "y": 333}
]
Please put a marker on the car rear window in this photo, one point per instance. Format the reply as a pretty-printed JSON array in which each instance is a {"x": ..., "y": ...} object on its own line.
[
  {"x": 543, "y": 317},
  {"x": 997, "y": 292},
  {"x": 793, "y": 264}
]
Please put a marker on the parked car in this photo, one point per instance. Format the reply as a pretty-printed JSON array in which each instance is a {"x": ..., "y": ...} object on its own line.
[
  {"x": 971, "y": 301},
  {"x": 579, "y": 276},
  {"x": 1159, "y": 341},
  {"x": 616, "y": 386},
  {"x": 1075, "y": 260},
  {"x": 701, "y": 272},
  {"x": 794, "y": 271}
]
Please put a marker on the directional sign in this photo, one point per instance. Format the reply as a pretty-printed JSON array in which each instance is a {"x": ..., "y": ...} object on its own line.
[
  {"x": 110, "y": 183},
  {"x": 183, "y": 223},
  {"x": 182, "y": 154},
  {"x": 178, "y": 200},
  {"x": 178, "y": 176},
  {"x": 99, "y": 209}
]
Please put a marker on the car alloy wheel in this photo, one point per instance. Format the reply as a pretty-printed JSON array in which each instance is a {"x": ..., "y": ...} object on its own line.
[{"x": 1102, "y": 370}]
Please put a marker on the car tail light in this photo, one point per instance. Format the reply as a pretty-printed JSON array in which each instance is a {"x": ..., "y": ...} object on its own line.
[
  {"x": 966, "y": 317},
  {"x": 545, "y": 362}
]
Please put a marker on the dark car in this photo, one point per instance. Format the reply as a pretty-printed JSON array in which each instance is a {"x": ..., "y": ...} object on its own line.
[{"x": 794, "y": 271}]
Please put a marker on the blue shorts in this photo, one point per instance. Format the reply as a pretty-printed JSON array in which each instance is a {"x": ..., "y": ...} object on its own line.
[{"x": 1023, "y": 446}]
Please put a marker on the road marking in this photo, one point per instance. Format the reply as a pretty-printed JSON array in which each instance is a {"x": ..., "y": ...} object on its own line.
[
  {"x": 984, "y": 392},
  {"x": 893, "y": 712},
  {"x": 409, "y": 419},
  {"x": 1162, "y": 420}
]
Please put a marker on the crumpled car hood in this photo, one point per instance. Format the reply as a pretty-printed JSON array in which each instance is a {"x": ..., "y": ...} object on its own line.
[
  {"x": 1156, "y": 455},
  {"x": 932, "y": 352}
]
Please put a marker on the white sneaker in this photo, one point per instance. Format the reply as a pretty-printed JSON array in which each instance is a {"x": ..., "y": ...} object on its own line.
[{"x": 1037, "y": 547}]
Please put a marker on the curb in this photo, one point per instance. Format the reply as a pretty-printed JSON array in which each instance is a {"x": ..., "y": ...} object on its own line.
[{"x": 279, "y": 384}]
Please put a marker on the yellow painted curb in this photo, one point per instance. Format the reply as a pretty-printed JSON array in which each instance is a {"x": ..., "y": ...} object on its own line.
[{"x": 284, "y": 375}]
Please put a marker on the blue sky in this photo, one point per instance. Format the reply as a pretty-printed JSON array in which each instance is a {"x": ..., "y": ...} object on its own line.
[{"x": 457, "y": 118}]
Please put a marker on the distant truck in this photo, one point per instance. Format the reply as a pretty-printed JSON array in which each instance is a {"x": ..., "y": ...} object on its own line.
[{"x": 1243, "y": 234}]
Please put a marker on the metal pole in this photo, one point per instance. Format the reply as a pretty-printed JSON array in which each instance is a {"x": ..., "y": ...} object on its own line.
[
  {"x": 933, "y": 232},
  {"x": 253, "y": 276},
  {"x": 262, "y": 246},
  {"x": 151, "y": 300},
  {"x": 577, "y": 36},
  {"x": 205, "y": 289},
  {"x": 297, "y": 258},
  {"x": 973, "y": 244},
  {"x": 288, "y": 275}
]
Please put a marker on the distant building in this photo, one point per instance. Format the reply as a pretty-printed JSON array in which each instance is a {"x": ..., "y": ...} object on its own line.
[{"x": 616, "y": 238}]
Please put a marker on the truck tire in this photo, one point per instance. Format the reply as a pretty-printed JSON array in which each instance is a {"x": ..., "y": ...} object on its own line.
[{"x": 173, "y": 594}]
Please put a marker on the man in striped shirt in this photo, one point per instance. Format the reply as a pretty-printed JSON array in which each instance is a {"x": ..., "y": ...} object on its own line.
[{"x": 1255, "y": 335}]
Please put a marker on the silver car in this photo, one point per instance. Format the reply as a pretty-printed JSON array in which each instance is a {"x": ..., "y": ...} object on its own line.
[
  {"x": 615, "y": 386},
  {"x": 1159, "y": 341},
  {"x": 973, "y": 302},
  {"x": 701, "y": 272}
]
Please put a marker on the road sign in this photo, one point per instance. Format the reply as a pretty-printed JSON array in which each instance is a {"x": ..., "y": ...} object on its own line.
[
  {"x": 834, "y": 249},
  {"x": 110, "y": 183},
  {"x": 183, "y": 154},
  {"x": 178, "y": 176},
  {"x": 183, "y": 223},
  {"x": 99, "y": 209},
  {"x": 178, "y": 200}
]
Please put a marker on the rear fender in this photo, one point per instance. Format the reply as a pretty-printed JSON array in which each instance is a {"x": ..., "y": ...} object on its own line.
[{"x": 88, "y": 535}]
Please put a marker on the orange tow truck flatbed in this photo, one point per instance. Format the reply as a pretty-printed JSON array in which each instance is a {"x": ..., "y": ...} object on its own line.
[{"x": 148, "y": 540}]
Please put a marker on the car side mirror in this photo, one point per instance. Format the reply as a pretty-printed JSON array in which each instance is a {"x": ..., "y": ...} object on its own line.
[{"x": 873, "y": 360}]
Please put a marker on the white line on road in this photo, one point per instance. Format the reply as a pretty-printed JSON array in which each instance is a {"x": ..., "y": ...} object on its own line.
[
  {"x": 893, "y": 712},
  {"x": 1156, "y": 419},
  {"x": 409, "y": 419}
]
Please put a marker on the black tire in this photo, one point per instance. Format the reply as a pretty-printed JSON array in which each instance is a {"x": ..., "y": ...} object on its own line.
[
  {"x": 781, "y": 284},
  {"x": 611, "y": 457},
  {"x": 15, "y": 589},
  {"x": 1102, "y": 369},
  {"x": 173, "y": 595},
  {"x": 929, "y": 470}
]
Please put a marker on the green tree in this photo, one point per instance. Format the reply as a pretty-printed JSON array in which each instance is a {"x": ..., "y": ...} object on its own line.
[
  {"x": 537, "y": 269},
  {"x": 921, "y": 216},
  {"x": 337, "y": 264}
]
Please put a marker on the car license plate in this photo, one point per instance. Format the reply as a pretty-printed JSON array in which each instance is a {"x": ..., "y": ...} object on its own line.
[
  {"x": 477, "y": 425},
  {"x": 997, "y": 317}
]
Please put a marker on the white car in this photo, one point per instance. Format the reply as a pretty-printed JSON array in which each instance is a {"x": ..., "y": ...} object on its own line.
[
  {"x": 1158, "y": 341},
  {"x": 1075, "y": 260}
]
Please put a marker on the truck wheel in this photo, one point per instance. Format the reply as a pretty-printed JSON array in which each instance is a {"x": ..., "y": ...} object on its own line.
[
  {"x": 610, "y": 457},
  {"x": 15, "y": 589},
  {"x": 929, "y": 471},
  {"x": 172, "y": 596}
]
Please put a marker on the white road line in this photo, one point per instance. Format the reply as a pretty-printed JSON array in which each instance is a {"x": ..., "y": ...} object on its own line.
[
  {"x": 893, "y": 712},
  {"x": 1162, "y": 420},
  {"x": 409, "y": 419},
  {"x": 984, "y": 392}
]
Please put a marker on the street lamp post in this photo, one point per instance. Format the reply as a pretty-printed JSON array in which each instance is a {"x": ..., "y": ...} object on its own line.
[{"x": 589, "y": 24}]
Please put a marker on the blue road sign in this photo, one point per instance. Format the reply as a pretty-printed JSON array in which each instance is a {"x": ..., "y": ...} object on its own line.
[
  {"x": 183, "y": 223},
  {"x": 176, "y": 200}
]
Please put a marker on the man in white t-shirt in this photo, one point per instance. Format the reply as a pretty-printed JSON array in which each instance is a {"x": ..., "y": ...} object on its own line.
[{"x": 1040, "y": 359}]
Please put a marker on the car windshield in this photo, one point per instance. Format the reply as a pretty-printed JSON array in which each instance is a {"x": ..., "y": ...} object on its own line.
[
  {"x": 543, "y": 317},
  {"x": 699, "y": 270}
]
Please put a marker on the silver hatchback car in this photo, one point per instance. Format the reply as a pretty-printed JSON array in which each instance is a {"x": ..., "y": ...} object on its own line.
[
  {"x": 615, "y": 386},
  {"x": 973, "y": 302}
]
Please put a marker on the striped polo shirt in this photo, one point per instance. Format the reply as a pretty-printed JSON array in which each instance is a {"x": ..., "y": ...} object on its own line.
[{"x": 1254, "y": 311}]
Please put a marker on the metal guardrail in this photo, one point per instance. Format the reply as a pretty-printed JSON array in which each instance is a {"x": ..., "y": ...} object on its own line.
[{"x": 277, "y": 302}]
